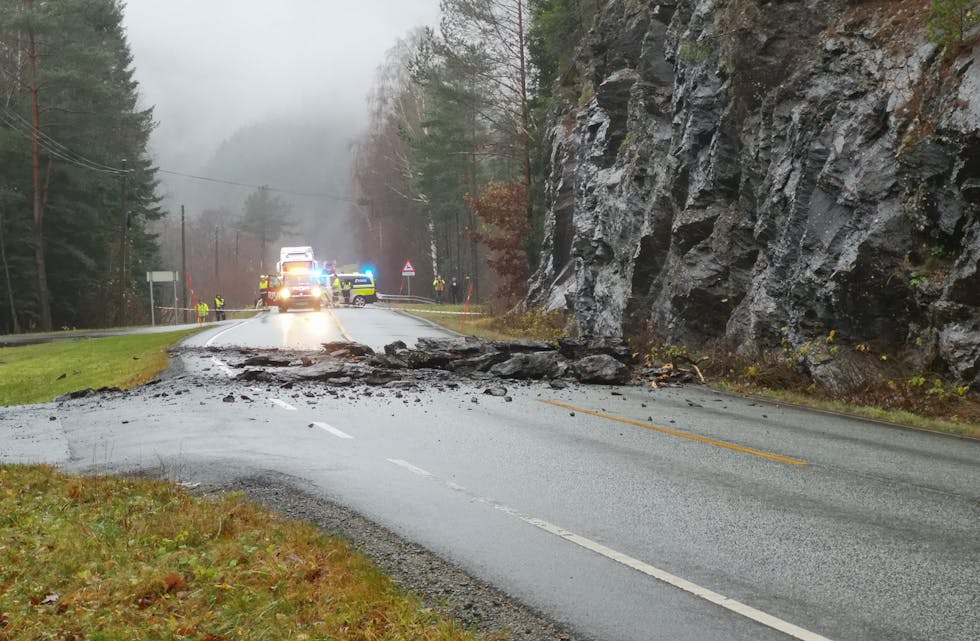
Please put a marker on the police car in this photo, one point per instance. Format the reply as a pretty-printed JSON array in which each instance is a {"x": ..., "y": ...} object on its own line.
[{"x": 356, "y": 289}]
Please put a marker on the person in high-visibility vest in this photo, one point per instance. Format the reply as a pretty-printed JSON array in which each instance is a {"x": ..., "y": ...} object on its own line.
[
  {"x": 202, "y": 312},
  {"x": 439, "y": 284},
  {"x": 346, "y": 287},
  {"x": 264, "y": 289},
  {"x": 219, "y": 308},
  {"x": 335, "y": 286}
]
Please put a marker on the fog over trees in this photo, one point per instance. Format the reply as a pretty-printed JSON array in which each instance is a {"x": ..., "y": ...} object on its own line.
[
  {"x": 453, "y": 150},
  {"x": 116, "y": 116}
]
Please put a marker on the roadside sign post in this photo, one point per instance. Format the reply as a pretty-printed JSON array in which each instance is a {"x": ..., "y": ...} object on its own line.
[
  {"x": 161, "y": 277},
  {"x": 408, "y": 271}
]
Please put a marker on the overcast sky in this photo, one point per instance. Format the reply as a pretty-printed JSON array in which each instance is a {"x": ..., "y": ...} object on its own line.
[{"x": 210, "y": 67}]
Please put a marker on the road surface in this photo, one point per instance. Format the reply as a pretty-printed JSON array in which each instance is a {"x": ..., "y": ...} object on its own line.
[
  {"x": 628, "y": 514},
  {"x": 305, "y": 330}
]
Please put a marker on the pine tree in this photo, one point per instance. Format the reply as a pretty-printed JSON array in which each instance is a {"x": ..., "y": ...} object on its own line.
[
  {"x": 266, "y": 217},
  {"x": 91, "y": 185}
]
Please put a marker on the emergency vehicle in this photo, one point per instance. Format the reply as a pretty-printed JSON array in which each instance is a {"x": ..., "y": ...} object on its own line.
[
  {"x": 296, "y": 259},
  {"x": 299, "y": 288},
  {"x": 361, "y": 287},
  {"x": 298, "y": 280}
]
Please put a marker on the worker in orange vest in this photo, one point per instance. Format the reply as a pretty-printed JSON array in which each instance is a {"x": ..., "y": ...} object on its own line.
[{"x": 439, "y": 284}]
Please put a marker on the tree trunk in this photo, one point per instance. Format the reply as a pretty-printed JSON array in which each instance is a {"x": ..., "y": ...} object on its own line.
[
  {"x": 433, "y": 243},
  {"x": 121, "y": 303},
  {"x": 6, "y": 276},
  {"x": 525, "y": 110},
  {"x": 44, "y": 296}
]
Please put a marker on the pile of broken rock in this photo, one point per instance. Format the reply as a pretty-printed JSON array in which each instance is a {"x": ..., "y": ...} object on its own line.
[{"x": 602, "y": 361}]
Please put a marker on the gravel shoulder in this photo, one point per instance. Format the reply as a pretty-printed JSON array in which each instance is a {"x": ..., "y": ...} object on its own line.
[{"x": 476, "y": 605}]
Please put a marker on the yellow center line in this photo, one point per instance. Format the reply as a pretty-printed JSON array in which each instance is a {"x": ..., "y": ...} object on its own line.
[
  {"x": 693, "y": 437},
  {"x": 340, "y": 326}
]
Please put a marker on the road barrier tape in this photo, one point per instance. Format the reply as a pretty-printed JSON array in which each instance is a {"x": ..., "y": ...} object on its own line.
[{"x": 210, "y": 309}]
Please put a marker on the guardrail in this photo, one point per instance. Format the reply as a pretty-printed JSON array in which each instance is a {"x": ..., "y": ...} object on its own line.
[{"x": 400, "y": 298}]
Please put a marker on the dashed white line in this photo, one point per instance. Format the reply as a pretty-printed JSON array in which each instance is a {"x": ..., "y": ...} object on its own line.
[
  {"x": 411, "y": 468},
  {"x": 283, "y": 404},
  {"x": 333, "y": 430},
  {"x": 711, "y": 596}
]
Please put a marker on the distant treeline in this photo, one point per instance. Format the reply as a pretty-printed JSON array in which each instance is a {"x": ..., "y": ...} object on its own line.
[
  {"x": 77, "y": 187},
  {"x": 450, "y": 169}
]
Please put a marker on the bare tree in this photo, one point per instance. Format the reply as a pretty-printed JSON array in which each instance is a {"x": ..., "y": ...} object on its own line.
[{"x": 488, "y": 38}]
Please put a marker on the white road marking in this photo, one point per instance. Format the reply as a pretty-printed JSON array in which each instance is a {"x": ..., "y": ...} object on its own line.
[
  {"x": 411, "y": 468},
  {"x": 220, "y": 364},
  {"x": 333, "y": 430},
  {"x": 729, "y": 604},
  {"x": 671, "y": 579},
  {"x": 225, "y": 331},
  {"x": 283, "y": 404}
]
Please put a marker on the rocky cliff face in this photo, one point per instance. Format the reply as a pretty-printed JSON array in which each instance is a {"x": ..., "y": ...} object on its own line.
[{"x": 772, "y": 173}]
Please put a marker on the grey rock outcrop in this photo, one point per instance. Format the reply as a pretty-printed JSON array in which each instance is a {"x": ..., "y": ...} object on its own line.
[{"x": 767, "y": 175}]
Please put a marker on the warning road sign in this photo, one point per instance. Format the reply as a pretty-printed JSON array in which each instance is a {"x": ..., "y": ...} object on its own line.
[{"x": 408, "y": 269}]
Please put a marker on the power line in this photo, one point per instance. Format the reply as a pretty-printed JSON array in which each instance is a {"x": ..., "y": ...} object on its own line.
[
  {"x": 59, "y": 150},
  {"x": 275, "y": 189},
  {"x": 54, "y": 147},
  {"x": 54, "y": 151}
]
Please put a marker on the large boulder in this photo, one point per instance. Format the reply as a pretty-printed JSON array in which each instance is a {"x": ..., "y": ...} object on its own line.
[
  {"x": 602, "y": 369},
  {"x": 462, "y": 345},
  {"x": 534, "y": 365},
  {"x": 576, "y": 348}
]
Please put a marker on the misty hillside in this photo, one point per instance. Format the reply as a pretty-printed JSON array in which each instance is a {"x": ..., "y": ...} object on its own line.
[{"x": 307, "y": 157}]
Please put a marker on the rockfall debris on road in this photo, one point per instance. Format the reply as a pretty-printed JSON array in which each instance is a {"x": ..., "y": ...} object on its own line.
[{"x": 596, "y": 361}]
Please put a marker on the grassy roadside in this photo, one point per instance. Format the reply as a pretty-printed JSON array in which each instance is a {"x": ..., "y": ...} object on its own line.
[
  {"x": 481, "y": 323},
  {"x": 875, "y": 413},
  {"x": 110, "y": 558},
  {"x": 40, "y": 373}
]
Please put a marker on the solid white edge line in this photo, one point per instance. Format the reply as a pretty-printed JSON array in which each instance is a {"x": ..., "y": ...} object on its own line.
[
  {"x": 411, "y": 468},
  {"x": 662, "y": 575},
  {"x": 333, "y": 430},
  {"x": 225, "y": 331},
  {"x": 283, "y": 404},
  {"x": 711, "y": 596}
]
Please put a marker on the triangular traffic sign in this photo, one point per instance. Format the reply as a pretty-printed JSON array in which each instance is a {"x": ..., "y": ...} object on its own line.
[{"x": 408, "y": 267}]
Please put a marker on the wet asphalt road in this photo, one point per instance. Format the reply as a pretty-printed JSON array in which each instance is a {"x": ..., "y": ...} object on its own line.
[
  {"x": 299, "y": 330},
  {"x": 815, "y": 525}
]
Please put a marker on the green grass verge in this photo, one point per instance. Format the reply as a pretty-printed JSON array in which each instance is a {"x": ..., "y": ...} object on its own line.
[
  {"x": 485, "y": 325},
  {"x": 117, "y": 559},
  {"x": 40, "y": 373},
  {"x": 898, "y": 417}
]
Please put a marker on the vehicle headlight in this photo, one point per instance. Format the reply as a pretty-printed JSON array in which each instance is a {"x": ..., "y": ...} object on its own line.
[
  {"x": 316, "y": 292},
  {"x": 284, "y": 293}
]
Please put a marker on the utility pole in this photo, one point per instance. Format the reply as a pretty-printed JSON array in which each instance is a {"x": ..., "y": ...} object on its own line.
[
  {"x": 217, "y": 278},
  {"x": 123, "y": 235},
  {"x": 43, "y": 293},
  {"x": 183, "y": 269}
]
